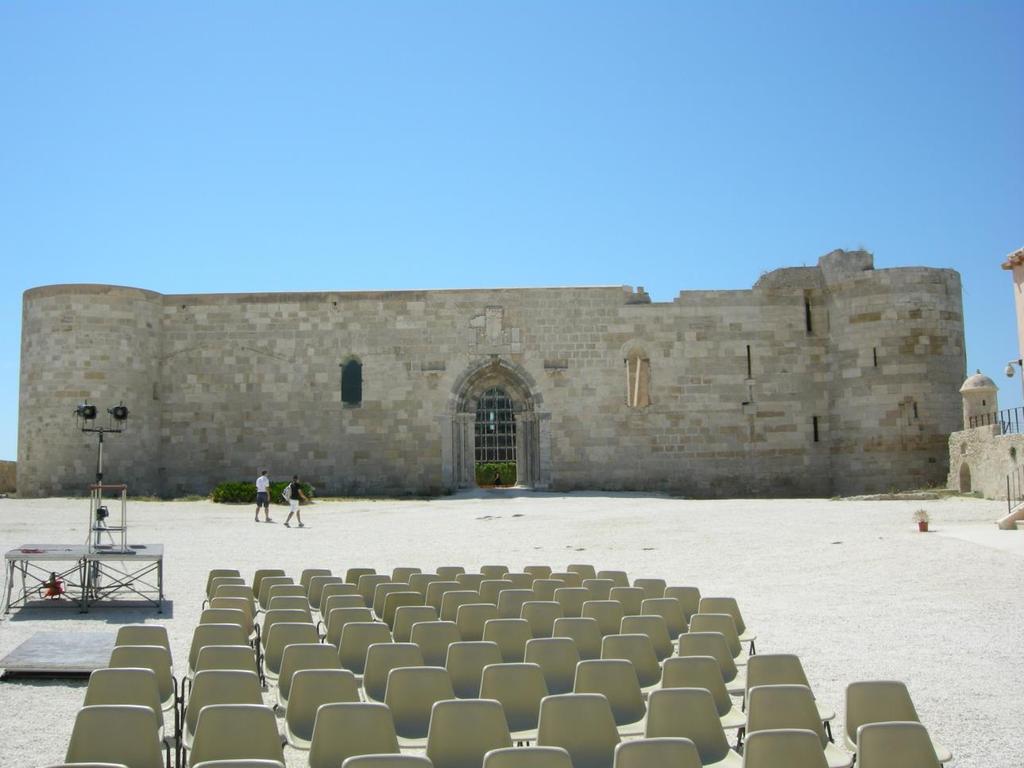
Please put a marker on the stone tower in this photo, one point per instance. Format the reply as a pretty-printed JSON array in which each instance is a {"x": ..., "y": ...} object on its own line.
[{"x": 979, "y": 396}]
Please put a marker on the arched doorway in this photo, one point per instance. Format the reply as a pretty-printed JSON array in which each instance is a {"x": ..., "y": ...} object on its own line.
[
  {"x": 494, "y": 413},
  {"x": 965, "y": 478},
  {"x": 494, "y": 439}
]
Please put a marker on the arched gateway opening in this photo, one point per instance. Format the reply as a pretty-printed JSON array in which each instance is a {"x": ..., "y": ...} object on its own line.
[{"x": 494, "y": 425}]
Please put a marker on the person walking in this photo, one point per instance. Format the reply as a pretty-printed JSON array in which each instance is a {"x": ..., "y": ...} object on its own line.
[
  {"x": 263, "y": 496},
  {"x": 295, "y": 495}
]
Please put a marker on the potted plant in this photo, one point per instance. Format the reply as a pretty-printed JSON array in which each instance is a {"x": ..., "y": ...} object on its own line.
[{"x": 921, "y": 518}]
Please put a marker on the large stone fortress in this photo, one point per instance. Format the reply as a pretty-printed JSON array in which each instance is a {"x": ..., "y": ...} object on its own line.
[{"x": 834, "y": 379}]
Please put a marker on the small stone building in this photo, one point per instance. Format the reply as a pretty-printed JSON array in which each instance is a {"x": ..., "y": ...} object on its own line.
[{"x": 832, "y": 379}]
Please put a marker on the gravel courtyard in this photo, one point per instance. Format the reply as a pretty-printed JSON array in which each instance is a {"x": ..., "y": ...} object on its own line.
[{"x": 849, "y": 585}]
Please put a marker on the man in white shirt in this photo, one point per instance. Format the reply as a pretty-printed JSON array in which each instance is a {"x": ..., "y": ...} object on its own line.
[{"x": 263, "y": 496}]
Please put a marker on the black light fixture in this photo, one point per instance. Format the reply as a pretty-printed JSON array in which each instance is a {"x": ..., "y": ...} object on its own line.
[
  {"x": 119, "y": 412},
  {"x": 85, "y": 411}
]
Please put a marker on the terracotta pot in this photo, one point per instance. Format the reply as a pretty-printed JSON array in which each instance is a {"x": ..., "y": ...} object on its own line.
[{"x": 922, "y": 526}]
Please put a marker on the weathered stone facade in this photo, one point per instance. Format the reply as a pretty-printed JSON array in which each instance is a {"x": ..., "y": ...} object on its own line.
[{"x": 822, "y": 380}]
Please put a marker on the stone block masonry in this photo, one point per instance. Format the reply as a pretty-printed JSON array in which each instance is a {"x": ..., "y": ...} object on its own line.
[{"x": 824, "y": 380}]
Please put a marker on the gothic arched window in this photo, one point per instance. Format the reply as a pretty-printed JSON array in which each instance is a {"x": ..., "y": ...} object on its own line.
[{"x": 352, "y": 382}]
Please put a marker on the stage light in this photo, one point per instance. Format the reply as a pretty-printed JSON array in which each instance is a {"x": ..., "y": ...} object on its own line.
[
  {"x": 119, "y": 412},
  {"x": 86, "y": 411}
]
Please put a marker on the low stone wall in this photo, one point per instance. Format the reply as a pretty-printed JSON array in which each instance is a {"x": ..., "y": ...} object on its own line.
[
  {"x": 981, "y": 458},
  {"x": 8, "y": 476}
]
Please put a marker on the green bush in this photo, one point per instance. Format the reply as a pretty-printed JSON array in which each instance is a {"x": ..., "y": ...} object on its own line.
[
  {"x": 244, "y": 492},
  {"x": 505, "y": 469}
]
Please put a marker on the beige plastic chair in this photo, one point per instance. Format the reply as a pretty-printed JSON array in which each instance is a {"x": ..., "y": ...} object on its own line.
[
  {"x": 396, "y": 600},
  {"x": 381, "y": 592},
  {"x": 387, "y": 761},
  {"x": 584, "y": 632},
  {"x": 638, "y": 650},
  {"x": 307, "y": 574},
  {"x": 217, "y": 686},
  {"x": 465, "y": 664},
  {"x": 703, "y": 672},
  {"x": 286, "y": 590},
  {"x": 435, "y": 592},
  {"x": 730, "y": 606},
  {"x": 521, "y": 580},
  {"x": 570, "y": 578},
  {"x": 461, "y": 732},
  {"x": 714, "y": 644},
  {"x": 511, "y": 635},
  {"x": 607, "y": 613},
  {"x": 127, "y": 685},
  {"x": 341, "y": 601},
  {"x": 339, "y": 617},
  {"x": 216, "y": 573},
  {"x": 784, "y": 669},
  {"x": 583, "y": 571},
  {"x": 771, "y": 707},
  {"x": 655, "y": 627},
  {"x": 616, "y": 680},
  {"x": 233, "y": 731},
  {"x": 124, "y": 734},
  {"x": 895, "y": 745},
  {"x": 155, "y": 658},
  {"x": 664, "y": 753},
  {"x": 511, "y": 601},
  {"x": 491, "y": 588},
  {"x": 407, "y": 616},
  {"x": 690, "y": 713},
  {"x": 599, "y": 588},
  {"x": 316, "y": 587},
  {"x": 620, "y": 578},
  {"x": 356, "y": 639},
  {"x": 454, "y": 599},
  {"x": 876, "y": 701},
  {"x": 470, "y": 581},
  {"x": 572, "y": 599},
  {"x": 381, "y": 658},
  {"x": 281, "y": 615},
  {"x": 557, "y": 658},
  {"x": 240, "y": 764},
  {"x": 230, "y": 581},
  {"x": 688, "y": 597},
  {"x": 310, "y": 690},
  {"x": 332, "y": 588},
  {"x": 721, "y": 622},
  {"x": 528, "y": 757},
  {"x": 411, "y": 693},
  {"x": 541, "y": 616},
  {"x": 519, "y": 688},
  {"x": 632, "y": 599},
  {"x": 300, "y": 656},
  {"x": 538, "y": 571},
  {"x": 238, "y": 657},
  {"x": 239, "y": 604},
  {"x": 263, "y": 597},
  {"x": 260, "y": 575},
  {"x": 670, "y": 610},
  {"x": 653, "y": 588},
  {"x": 471, "y": 617},
  {"x": 283, "y": 634},
  {"x": 433, "y": 638},
  {"x": 493, "y": 571},
  {"x": 227, "y": 616},
  {"x": 143, "y": 634},
  {"x": 346, "y": 730},
  {"x": 544, "y": 589},
  {"x": 419, "y": 582},
  {"x": 402, "y": 573},
  {"x": 449, "y": 572},
  {"x": 582, "y": 725},
  {"x": 352, "y": 575},
  {"x": 213, "y": 634},
  {"x": 785, "y": 748},
  {"x": 368, "y": 584}
]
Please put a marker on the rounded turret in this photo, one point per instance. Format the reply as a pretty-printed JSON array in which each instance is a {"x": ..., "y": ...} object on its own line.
[{"x": 979, "y": 397}]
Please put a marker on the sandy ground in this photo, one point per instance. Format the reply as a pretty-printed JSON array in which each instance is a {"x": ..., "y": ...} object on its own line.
[{"x": 850, "y": 586}]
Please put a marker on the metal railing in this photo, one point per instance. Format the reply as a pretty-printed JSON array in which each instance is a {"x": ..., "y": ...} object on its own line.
[
  {"x": 1010, "y": 421},
  {"x": 1014, "y": 489}
]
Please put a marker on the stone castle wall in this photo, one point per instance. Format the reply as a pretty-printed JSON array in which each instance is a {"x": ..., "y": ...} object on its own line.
[{"x": 221, "y": 386}]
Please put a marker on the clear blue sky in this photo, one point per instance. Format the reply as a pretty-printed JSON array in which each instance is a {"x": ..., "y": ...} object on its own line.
[{"x": 265, "y": 146}]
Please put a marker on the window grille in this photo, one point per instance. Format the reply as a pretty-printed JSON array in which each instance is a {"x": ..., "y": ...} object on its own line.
[{"x": 495, "y": 427}]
